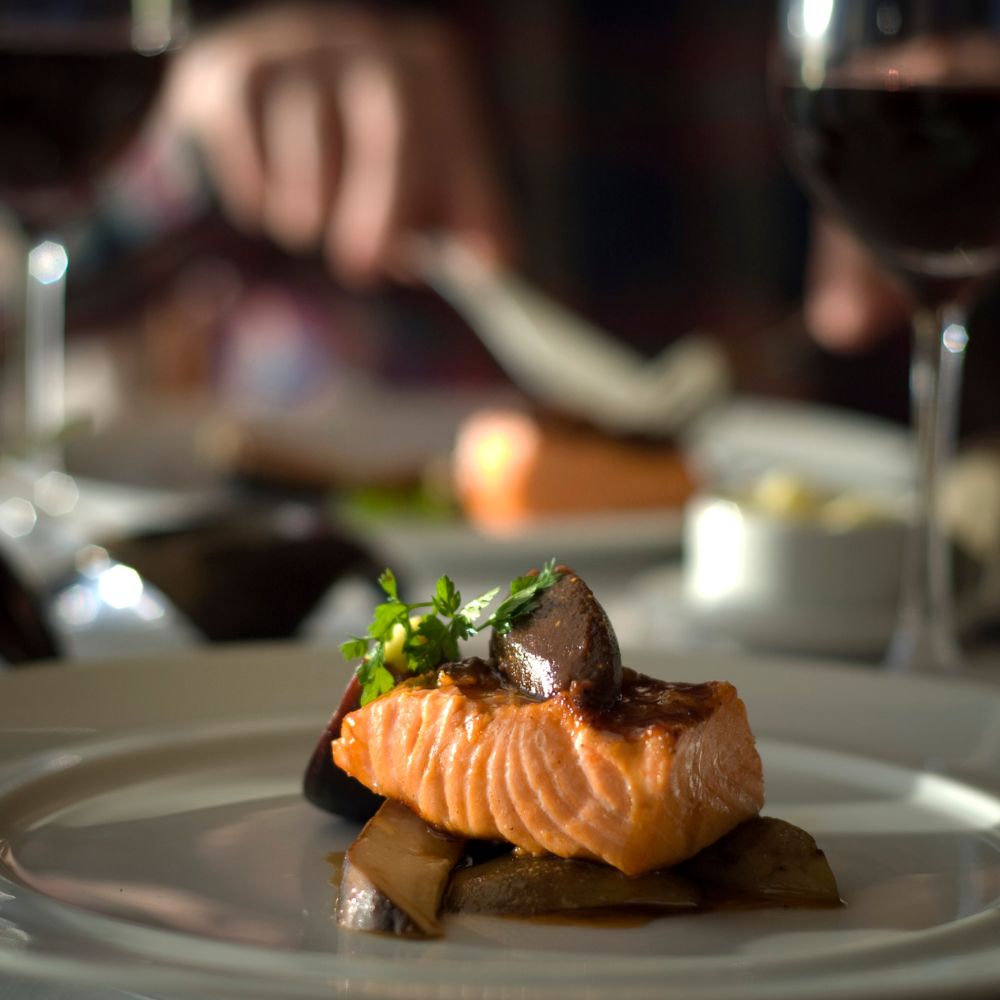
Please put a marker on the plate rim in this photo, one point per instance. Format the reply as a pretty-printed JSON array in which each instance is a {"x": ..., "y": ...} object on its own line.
[{"x": 356, "y": 973}]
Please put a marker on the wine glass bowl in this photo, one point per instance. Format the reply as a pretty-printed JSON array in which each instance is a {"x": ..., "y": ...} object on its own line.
[
  {"x": 889, "y": 112},
  {"x": 892, "y": 121},
  {"x": 77, "y": 80}
]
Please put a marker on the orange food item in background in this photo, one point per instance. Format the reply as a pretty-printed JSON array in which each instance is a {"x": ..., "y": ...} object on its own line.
[{"x": 509, "y": 467}]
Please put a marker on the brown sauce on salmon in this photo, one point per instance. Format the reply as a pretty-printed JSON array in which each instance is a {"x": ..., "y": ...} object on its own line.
[{"x": 644, "y": 701}]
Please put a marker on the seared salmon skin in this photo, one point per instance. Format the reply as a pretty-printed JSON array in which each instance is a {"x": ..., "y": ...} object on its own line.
[{"x": 665, "y": 771}]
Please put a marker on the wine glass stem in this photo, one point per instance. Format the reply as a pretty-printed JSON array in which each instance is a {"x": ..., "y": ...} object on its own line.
[
  {"x": 44, "y": 350},
  {"x": 924, "y": 640}
]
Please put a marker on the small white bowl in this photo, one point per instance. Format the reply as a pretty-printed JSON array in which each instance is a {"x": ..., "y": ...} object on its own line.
[{"x": 791, "y": 583}]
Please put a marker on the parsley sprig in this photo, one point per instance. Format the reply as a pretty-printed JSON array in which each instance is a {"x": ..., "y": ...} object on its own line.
[{"x": 433, "y": 629}]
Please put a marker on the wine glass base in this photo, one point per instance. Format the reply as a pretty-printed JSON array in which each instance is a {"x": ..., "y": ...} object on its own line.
[{"x": 921, "y": 648}]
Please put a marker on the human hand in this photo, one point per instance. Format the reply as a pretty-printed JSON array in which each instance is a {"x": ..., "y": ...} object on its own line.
[
  {"x": 326, "y": 127},
  {"x": 850, "y": 303}
]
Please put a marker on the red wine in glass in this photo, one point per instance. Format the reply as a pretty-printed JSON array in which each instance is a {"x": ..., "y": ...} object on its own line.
[
  {"x": 67, "y": 114},
  {"x": 913, "y": 169}
]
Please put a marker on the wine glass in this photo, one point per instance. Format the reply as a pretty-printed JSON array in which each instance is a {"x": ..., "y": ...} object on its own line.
[
  {"x": 77, "y": 78},
  {"x": 890, "y": 115}
]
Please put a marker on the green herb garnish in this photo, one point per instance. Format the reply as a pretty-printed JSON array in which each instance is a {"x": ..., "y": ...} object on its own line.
[{"x": 415, "y": 638}]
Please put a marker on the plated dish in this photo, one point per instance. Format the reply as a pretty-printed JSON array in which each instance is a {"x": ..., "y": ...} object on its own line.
[
  {"x": 154, "y": 838},
  {"x": 544, "y": 778}
]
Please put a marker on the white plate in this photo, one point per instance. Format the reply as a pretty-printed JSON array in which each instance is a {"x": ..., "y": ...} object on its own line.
[
  {"x": 153, "y": 839},
  {"x": 835, "y": 449}
]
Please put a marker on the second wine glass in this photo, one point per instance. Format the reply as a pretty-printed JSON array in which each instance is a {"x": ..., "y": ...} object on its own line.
[
  {"x": 77, "y": 79},
  {"x": 890, "y": 114}
]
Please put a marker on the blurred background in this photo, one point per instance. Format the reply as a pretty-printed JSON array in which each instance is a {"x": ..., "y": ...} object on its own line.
[{"x": 270, "y": 393}]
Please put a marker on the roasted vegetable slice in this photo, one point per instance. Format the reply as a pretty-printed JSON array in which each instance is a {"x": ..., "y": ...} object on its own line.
[
  {"x": 395, "y": 874},
  {"x": 324, "y": 784},
  {"x": 525, "y": 886},
  {"x": 362, "y": 907},
  {"x": 765, "y": 861}
]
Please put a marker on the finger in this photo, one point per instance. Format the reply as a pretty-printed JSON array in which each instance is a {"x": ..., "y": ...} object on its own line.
[
  {"x": 224, "y": 101},
  {"x": 479, "y": 217},
  {"x": 367, "y": 199},
  {"x": 462, "y": 193},
  {"x": 300, "y": 157},
  {"x": 850, "y": 302}
]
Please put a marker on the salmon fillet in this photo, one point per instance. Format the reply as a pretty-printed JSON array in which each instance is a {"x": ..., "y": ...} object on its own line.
[{"x": 642, "y": 785}]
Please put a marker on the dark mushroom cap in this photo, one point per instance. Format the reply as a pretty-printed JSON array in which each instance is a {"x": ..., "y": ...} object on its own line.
[{"x": 567, "y": 641}]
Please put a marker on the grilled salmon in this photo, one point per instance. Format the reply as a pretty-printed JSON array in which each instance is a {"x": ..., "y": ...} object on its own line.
[{"x": 642, "y": 784}]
